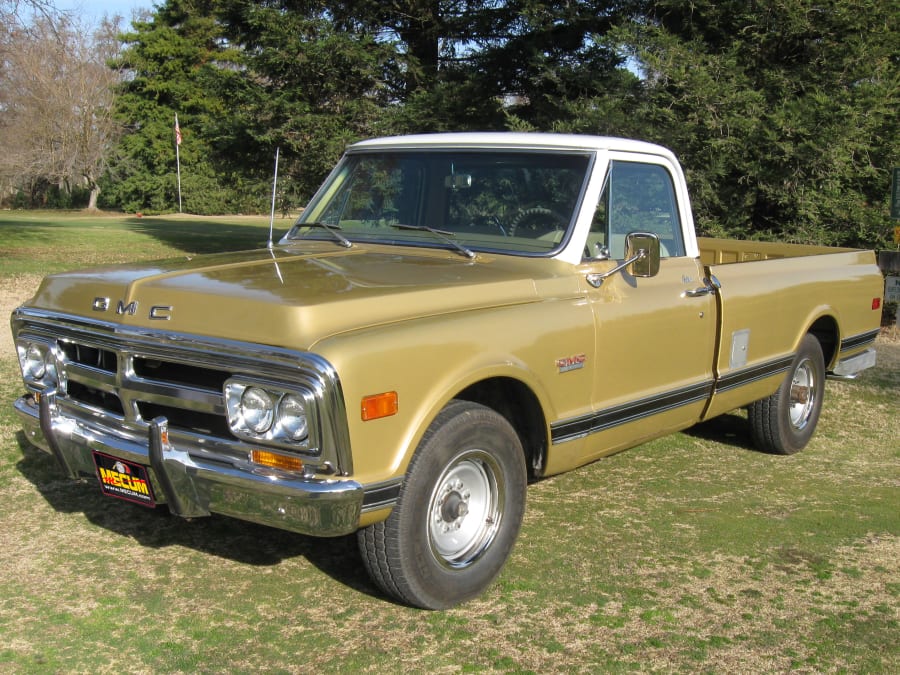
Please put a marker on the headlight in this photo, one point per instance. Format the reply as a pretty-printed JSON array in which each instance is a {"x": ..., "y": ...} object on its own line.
[
  {"x": 37, "y": 362},
  {"x": 34, "y": 365},
  {"x": 292, "y": 417},
  {"x": 257, "y": 409},
  {"x": 271, "y": 413}
]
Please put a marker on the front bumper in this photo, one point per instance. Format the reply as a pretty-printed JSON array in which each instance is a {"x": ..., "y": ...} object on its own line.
[{"x": 192, "y": 486}]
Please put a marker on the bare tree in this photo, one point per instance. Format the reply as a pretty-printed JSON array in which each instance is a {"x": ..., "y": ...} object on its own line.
[{"x": 56, "y": 98}]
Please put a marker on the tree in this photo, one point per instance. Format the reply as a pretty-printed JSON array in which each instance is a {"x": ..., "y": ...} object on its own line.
[
  {"x": 313, "y": 84},
  {"x": 783, "y": 111},
  {"x": 178, "y": 63},
  {"x": 57, "y": 96}
]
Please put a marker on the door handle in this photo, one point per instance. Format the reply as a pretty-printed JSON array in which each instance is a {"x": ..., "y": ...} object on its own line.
[{"x": 711, "y": 286}]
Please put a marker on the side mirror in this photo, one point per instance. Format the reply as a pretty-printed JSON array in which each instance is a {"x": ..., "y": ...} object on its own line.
[{"x": 642, "y": 249}]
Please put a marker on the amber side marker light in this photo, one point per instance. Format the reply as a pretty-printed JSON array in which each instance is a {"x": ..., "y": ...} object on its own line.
[
  {"x": 379, "y": 405},
  {"x": 275, "y": 460}
]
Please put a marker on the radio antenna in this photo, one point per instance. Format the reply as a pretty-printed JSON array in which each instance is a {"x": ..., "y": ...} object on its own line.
[{"x": 274, "y": 187}]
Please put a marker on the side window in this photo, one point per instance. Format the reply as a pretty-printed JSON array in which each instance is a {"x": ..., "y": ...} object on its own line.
[{"x": 637, "y": 197}]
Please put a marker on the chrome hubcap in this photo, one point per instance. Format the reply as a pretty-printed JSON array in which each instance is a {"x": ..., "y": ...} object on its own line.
[
  {"x": 803, "y": 394},
  {"x": 464, "y": 509}
]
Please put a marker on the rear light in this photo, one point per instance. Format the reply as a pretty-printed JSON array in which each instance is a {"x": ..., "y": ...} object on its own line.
[{"x": 876, "y": 303}]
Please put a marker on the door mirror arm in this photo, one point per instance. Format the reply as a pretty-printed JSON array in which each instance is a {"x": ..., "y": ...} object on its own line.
[{"x": 642, "y": 254}]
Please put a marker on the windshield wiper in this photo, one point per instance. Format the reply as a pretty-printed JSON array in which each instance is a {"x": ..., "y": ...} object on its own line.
[
  {"x": 442, "y": 234},
  {"x": 334, "y": 230}
]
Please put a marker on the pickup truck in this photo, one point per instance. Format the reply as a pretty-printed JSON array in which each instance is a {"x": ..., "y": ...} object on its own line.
[{"x": 452, "y": 316}]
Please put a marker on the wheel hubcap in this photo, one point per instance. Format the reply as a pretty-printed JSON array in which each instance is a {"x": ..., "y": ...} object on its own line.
[
  {"x": 803, "y": 395},
  {"x": 464, "y": 509}
]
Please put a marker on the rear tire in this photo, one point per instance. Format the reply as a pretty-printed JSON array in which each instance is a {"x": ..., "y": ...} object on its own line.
[
  {"x": 458, "y": 514},
  {"x": 784, "y": 422}
]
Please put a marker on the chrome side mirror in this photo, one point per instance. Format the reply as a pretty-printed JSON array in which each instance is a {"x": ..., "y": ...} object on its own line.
[{"x": 642, "y": 250}]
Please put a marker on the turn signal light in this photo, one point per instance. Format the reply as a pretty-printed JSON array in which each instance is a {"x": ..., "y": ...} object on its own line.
[
  {"x": 276, "y": 460},
  {"x": 379, "y": 405}
]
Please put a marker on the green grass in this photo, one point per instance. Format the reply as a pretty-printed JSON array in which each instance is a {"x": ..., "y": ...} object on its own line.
[
  {"x": 692, "y": 553},
  {"x": 44, "y": 242}
]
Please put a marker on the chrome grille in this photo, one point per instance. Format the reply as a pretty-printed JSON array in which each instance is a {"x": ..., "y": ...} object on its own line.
[{"x": 125, "y": 376}]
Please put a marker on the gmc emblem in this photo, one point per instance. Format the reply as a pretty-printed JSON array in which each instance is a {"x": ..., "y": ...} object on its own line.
[{"x": 157, "y": 312}]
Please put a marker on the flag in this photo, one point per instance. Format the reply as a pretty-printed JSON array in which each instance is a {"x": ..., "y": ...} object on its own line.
[{"x": 177, "y": 132}]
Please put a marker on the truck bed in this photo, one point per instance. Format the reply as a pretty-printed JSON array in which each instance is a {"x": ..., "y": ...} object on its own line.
[{"x": 726, "y": 251}]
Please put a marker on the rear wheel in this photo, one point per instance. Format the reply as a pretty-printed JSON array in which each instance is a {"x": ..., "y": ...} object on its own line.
[
  {"x": 784, "y": 422},
  {"x": 458, "y": 513}
]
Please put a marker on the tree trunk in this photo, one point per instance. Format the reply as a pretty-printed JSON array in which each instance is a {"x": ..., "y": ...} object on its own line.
[{"x": 92, "y": 201}]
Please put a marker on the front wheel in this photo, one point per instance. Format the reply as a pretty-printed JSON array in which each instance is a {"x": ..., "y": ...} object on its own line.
[
  {"x": 458, "y": 513},
  {"x": 784, "y": 422}
]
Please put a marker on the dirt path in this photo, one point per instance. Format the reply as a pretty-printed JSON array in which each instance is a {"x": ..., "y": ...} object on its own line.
[{"x": 14, "y": 290}]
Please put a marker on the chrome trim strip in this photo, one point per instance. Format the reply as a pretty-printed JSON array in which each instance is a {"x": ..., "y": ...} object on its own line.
[
  {"x": 567, "y": 430},
  {"x": 860, "y": 340},
  {"x": 754, "y": 373}
]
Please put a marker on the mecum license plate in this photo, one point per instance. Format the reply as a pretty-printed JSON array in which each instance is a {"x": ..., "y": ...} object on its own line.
[{"x": 124, "y": 480}]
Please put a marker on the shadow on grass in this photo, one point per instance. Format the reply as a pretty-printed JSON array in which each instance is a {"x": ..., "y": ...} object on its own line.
[
  {"x": 228, "y": 538},
  {"x": 206, "y": 235},
  {"x": 729, "y": 429}
]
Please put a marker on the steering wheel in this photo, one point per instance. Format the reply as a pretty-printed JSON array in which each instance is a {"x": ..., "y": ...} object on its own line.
[{"x": 536, "y": 221}]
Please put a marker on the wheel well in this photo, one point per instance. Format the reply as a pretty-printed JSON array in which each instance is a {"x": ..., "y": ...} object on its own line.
[
  {"x": 521, "y": 408},
  {"x": 825, "y": 330}
]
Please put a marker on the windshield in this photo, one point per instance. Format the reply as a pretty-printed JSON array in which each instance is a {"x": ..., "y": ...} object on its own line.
[{"x": 487, "y": 200}]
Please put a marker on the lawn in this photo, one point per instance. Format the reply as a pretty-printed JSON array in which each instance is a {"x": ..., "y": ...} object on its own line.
[{"x": 692, "y": 553}]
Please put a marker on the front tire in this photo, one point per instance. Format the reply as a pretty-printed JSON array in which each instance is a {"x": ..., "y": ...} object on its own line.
[
  {"x": 784, "y": 422},
  {"x": 458, "y": 514}
]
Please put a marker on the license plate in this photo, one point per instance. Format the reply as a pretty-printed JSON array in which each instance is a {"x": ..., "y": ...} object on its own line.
[{"x": 124, "y": 480}]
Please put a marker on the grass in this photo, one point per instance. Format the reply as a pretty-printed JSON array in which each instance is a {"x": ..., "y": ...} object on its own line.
[
  {"x": 44, "y": 242},
  {"x": 692, "y": 553}
]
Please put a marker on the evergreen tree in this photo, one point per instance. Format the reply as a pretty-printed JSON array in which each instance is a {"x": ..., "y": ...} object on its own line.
[
  {"x": 783, "y": 111},
  {"x": 179, "y": 64}
]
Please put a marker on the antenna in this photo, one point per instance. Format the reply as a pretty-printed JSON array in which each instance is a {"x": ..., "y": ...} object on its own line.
[{"x": 272, "y": 214}]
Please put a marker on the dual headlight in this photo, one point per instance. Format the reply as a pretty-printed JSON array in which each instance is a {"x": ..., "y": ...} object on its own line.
[
  {"x": 263, "y": 412},
  {"x": 37, "y": 362}
]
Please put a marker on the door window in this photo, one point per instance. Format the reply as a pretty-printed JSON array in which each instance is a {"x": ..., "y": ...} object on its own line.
[{"x": 636, "y": 197}]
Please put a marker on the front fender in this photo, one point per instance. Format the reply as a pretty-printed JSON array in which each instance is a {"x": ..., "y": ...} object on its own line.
[{"x": 428, "y": 361}]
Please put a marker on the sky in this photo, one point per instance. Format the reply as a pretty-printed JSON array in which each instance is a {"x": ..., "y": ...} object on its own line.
[{"x": 94, "y": 10}]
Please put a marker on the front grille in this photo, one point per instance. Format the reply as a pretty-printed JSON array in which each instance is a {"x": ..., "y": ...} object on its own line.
[
  {"x": 142, "y": 388},
  {"x": 94, "y": 357},
  {"x": 186, "y": 420},
  {"x": 179, "y": 373},
  {"x": 122, "y": 378},
  {"x": 95, "y": 398}
]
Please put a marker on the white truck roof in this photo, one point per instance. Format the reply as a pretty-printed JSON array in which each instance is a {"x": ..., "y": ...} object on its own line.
[
  {"x": 536, "y": 140},
  {"x": 602, "y": 145}
]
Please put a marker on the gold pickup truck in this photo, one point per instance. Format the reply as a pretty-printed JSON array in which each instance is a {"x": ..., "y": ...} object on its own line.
[{"x": 452, "y": 316}]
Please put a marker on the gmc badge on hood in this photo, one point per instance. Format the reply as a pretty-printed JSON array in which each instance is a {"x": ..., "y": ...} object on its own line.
[{"x": 157, "y": 312}]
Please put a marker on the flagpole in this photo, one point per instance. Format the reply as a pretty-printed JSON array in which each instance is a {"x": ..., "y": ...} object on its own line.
[{"x": 178, "y": 158}]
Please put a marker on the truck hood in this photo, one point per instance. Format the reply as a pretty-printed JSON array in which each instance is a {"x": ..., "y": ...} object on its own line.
[{"x": 288, "y": 297}]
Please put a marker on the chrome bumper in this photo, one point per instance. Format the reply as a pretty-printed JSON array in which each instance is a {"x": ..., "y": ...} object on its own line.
[{"x": 193, "y": 487}]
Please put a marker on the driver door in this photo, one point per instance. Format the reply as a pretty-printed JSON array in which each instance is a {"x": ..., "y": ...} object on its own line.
[{"x": 655, "y": 337}]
